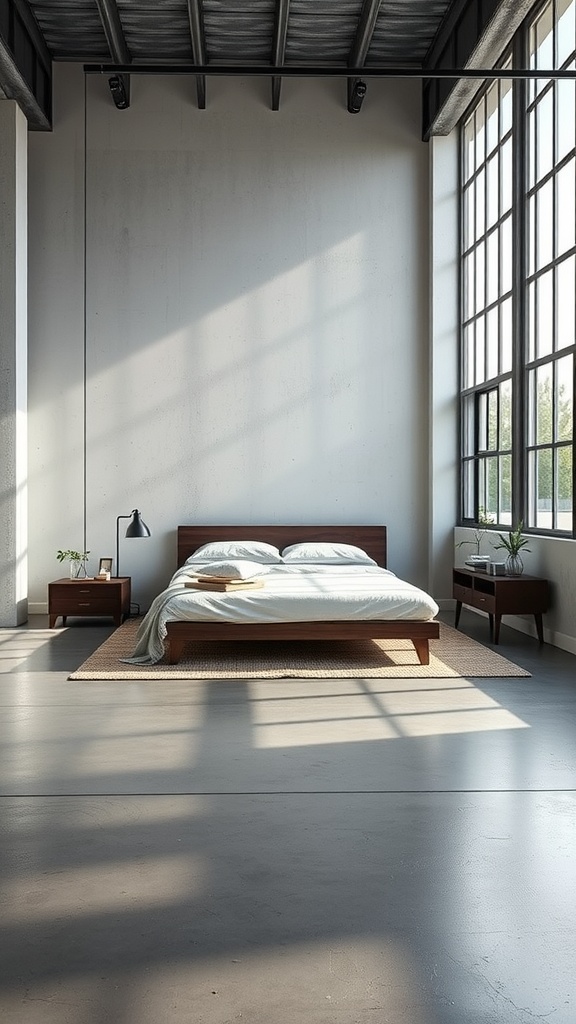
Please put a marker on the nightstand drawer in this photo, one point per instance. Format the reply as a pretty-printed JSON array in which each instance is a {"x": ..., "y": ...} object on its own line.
[
  {"x": 463, "y": 594},
  {"x": 486, "y": 602},
  {"x": 78, "y": 603},
  {"x": 87, "y": 597}
]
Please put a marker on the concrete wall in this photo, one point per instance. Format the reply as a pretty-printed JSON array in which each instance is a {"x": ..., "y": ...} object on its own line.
[
  {"x": 13, "y": 365},
  {"x": 251, "y": 344}
]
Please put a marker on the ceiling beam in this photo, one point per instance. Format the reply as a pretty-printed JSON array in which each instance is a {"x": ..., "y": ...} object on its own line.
[
  {"x": 325, "y": 71},
  {"x": 33, "y": 30},
  {"x": 25, "y": 65},
  {"x": 279, "y": 47},
  {"x": 359, "y": 51},
  {"x": 364, "y": 33},
  {"x": 14, "y": 86},
  {"x": 472, "y": 35},
  {"x": 120, "y": 82},
  {"x": 198, "y": 38}
]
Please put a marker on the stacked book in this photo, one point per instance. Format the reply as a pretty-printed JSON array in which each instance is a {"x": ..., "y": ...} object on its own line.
[
  {"x": 478, "y": 564},
  {"x": 223, "y": 583}
]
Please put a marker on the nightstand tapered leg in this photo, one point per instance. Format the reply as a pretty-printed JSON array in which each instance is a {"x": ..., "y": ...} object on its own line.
[{"x": 457, "y": 615}]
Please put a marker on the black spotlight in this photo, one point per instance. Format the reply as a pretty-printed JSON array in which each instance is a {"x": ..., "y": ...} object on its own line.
[
  {"x": 356, "y": 94},
  {"x": 118, "y": 90}
]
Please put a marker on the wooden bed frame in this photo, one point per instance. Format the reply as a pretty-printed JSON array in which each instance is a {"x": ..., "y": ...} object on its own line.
[{"x": 372, "y": 539}]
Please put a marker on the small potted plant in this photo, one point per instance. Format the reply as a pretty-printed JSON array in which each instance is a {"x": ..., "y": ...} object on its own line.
[
  {"x": 513, "y": 542},
  {"x": 77, "y": 560},
  {"x": 484, "y": 521}
]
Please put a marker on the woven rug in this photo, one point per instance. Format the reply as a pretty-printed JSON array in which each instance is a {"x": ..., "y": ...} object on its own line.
[{"x": 452, "y": 655}]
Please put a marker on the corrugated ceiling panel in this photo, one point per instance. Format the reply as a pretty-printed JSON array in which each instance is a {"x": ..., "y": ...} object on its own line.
[
  {"x": 71, "y": 28},
  {"x": 241, "y": 31}
]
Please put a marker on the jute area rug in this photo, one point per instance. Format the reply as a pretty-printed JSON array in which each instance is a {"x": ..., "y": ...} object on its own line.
[{"x": 452, "y": 655}]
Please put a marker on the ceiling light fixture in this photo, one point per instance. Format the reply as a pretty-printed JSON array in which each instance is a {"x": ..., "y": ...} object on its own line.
[
  {"x": 118, "y": 90},
  {"x": 356, "y": 94}
]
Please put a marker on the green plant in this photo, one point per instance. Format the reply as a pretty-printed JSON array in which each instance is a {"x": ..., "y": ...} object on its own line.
[
  {"x": 74, "y": 556},
  {"x": 513, "y": 542},
  {"x": 484, "y": 521}
]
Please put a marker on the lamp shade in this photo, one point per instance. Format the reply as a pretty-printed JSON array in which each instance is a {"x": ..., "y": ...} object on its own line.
[{"x": 137, "y": 528}]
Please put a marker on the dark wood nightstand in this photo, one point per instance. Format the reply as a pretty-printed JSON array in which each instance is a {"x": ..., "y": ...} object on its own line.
[
  {"x": 89, "y": 597},
  {"x": 500, "y": 595}
]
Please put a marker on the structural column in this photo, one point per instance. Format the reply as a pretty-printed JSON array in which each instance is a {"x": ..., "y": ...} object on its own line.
[
  {"x": 443, "y": 366},
  {"x": 13, "y": 365}
]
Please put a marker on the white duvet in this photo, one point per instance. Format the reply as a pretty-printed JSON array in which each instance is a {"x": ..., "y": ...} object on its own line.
[{"x": 291, "y": 593}]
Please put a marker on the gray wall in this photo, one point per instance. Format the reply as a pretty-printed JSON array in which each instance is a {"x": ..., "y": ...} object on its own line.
[
  {"x": 13, "y": 364},
  {"x": 255, "y": 341}
]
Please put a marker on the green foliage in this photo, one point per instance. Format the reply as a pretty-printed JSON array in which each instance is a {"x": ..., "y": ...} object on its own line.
[
  {"x": 513, "y": 542},
  {"x": 80, "y": 557},
  {"x": 484, "y": 521},
  {"x": 552, "y": 423},
  {"x": 72, "y": 556}
]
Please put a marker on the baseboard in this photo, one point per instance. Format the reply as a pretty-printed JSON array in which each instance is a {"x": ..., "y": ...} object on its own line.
[{"x": 38, "y": 608}]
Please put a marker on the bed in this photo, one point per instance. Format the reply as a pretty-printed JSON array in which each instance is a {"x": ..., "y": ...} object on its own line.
[{"x": 177, "y": 632}]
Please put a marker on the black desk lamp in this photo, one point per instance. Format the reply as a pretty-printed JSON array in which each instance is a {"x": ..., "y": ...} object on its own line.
[{"x": 137, "y": 528}]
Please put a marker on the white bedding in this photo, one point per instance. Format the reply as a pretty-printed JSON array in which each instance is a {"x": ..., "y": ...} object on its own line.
[{"x": 291, "y": 593}]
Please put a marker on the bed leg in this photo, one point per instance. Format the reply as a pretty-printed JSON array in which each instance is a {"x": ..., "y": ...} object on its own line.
[
  {"x": 423, "y": 651},
  {"x": 175, "y": 649}
]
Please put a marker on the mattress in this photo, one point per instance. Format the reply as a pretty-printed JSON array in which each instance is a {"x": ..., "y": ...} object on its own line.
[{"x": 291, "y": 593}]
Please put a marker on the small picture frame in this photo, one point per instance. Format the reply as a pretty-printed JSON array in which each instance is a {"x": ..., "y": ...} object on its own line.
[{"x": 105, "y": 565}]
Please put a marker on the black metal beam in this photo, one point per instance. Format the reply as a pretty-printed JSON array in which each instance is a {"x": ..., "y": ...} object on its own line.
[
  {"x": 120, "y": 83},
  {"x": 33, "y": 30},
  {"x": 25, "y": 65},
  {"x": 326, "y": 71},
  {"x": 198, "y": 38},
  {"x": 359, "y": 51},
  {"x": 472, "y": 34},
  {"x": 279, "y": 47},
  {"x": 364, "y": 33}
]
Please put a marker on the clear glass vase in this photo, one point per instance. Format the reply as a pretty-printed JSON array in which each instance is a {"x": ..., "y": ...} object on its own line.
[
  {"x": 77, "y": 569},
  {"x": 514, "y": 565}
]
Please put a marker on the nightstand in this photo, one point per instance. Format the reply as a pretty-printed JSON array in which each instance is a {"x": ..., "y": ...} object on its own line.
[
  {"x": 89, "y": 597},
  {"x": 500, "y": 595}
]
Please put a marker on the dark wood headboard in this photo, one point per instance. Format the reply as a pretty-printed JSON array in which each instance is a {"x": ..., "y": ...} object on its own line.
[{"x": 372, "y": 539}]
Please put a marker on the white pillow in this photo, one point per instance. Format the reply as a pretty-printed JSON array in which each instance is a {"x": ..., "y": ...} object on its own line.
[
  {"x": 239, "y": 569},
  {"x": 333, "y": 554},
  {"x": 254, "y": 550}
]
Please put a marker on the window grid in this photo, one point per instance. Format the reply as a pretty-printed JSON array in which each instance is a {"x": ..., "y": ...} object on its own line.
[
  {"x": 534, "y": 302},
  {"x": 550, "y": 290},
  {"x": 486, "y": 252}
]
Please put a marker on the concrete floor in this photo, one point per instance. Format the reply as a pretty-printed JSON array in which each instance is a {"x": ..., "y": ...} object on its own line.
[{"x": 347, "y": 852}]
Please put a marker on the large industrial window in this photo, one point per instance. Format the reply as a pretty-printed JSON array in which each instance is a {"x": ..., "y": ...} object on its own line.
[{"x": 518, "y": 263}]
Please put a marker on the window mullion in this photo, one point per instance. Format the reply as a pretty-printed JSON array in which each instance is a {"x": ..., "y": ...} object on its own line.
[{"x": 520, "y": 267}]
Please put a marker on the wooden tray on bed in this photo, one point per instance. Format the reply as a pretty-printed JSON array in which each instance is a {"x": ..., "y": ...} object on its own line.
[{"x": 372, "y": 539}]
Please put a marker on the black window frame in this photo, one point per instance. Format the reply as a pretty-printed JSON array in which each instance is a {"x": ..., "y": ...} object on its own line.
[{"x": 526, "y": 94}]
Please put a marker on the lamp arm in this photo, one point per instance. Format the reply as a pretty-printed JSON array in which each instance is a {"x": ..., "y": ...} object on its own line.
[{"x": 118, "y": 518}]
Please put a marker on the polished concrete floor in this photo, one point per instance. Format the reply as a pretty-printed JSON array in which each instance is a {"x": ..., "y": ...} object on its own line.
[{"x": 342, "y": 852}]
